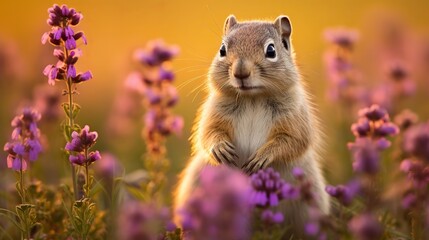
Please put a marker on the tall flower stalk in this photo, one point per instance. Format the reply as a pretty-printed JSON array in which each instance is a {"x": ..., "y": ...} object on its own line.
[
  {"x": 23, "y": 148},
  {"x": 154, "y": 83},
  {"x": 62, "y": 19}
]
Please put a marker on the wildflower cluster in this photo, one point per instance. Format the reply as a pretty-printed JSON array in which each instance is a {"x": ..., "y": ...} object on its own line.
[
  {"x": 63, "y": 36},
  {"x": 143, "y": 221},
  {"x": 80, "y": 144},
  {"x": 25, "y": 140},
  {"x": 345, "y": 79},
  {"x": 219, "y": 207},
  {"x": 371, "y": 130},
  {"x": 415, "y": 196},
  {"x": 269, "y": 188},
  {"x": 154, "y": 82},
  {"x": 343, "y": 76}
]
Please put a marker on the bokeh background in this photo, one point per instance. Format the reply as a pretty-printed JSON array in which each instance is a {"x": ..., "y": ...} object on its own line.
[{"x": 114, "y": 29}]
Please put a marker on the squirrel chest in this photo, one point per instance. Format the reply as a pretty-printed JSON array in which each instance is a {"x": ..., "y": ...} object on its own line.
[{"x": 251, "y": 126}]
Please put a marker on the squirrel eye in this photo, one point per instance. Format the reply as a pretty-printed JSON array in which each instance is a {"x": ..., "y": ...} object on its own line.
[
  {"x": 271, "y": 51},
  {"x": 222, "y": 50}
]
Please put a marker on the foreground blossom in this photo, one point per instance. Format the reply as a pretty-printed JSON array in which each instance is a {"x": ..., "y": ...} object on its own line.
[{"x": 219, "y": 207}]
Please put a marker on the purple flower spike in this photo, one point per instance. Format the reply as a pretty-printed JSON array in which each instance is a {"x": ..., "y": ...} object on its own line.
[
  {"x": 62, "y": 19},
  {"x": 416, "y": 141},
  {"x": 25, "y": 144}
]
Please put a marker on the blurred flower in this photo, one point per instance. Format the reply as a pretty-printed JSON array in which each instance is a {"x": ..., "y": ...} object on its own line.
[
  {"x": 25, "y": 140},
  {"x": 342, "y": 75},
  {"x": 371, "y": 130},
  {"x": 417, "y": 171},
  {"x": 108, "y": 167},
  {"x": 406, "y": 119},
  {"x": 366, "y": 227},
  {"x": 142, "y": 221},
  {"x": 219, "y": 207},
  {"x": 47, "y": 102},
  {"x": 11, "y": 64},
  {"x": 80, "y": 144},
  {"x": 341, "y": 36},
  {"x": 270, "y": 217},
  {"x": 62, "y": 35},
  {"x": 366, "y": 156},
  {"x": 409, "y": 201},
  {"x": 344, "y": 193},
  {"x": 154, "y": 83},
  {"x": 156, "y": 53},
  {"x": 315, "y": 226},
  {"x": 416, "y": 141},
  {"x": 399, "y": 77}
]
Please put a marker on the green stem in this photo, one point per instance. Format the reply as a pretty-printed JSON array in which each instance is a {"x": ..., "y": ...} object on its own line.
[
  {"x": 21, "y": 182},
  {"x": 87, "y": 173},
  {"x": 71, "y": 125}
]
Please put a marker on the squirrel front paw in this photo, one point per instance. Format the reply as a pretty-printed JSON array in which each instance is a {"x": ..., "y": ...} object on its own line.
[
  {"x": 224, "y": 152},
  {"x": 256, "y": 162}
]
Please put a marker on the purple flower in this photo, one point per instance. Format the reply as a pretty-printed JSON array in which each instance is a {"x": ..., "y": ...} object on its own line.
[
  {"x": 406, "y": 119},
  {"x": 298, "y": 173},
  {"x": 218, "y": 208},
  {"x": 373, "y": 113},
  {"x": 62, "y": 34},
  {"x": 154, "y": 83},
  {"x": 366, "y": 227},
  {"x": 25, "y": 144},
  {"x": 416, "y": 141},
  {"x": 80, "y": 144},
  {"x": 409, "y": 201},
  {"x": 366, "y": 156},
  {"x": 417, "y": 171},
  {"x": 156, "y": 53},
  {"x": 47, "y": 102},
  {"x": 340, "y": 36},
  {"x": 142, "y": 221},
  {"x": 108, "y": 167},
  {"x": 269, "y": 188},
  {"x": 78, "y": 159},
  {"x": 270, "y": 217},
  {"x": 344, "y": 193}
]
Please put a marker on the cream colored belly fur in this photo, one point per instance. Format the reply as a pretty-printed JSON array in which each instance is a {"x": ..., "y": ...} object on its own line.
[{"x": 251, "y": 130}]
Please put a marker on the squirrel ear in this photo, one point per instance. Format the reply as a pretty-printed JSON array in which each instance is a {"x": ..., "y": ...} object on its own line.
[
  {"x": 229, "y": 23},
  {"x": 283, "y": 26}
]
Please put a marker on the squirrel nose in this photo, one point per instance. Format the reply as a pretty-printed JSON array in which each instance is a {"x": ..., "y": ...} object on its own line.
[
  {"x": 241, "y": 74},
  {"x": 240, "y": 70}
]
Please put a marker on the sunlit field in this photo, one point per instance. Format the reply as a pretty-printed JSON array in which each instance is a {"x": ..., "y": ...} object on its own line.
[{"x": 100, "y": 100}]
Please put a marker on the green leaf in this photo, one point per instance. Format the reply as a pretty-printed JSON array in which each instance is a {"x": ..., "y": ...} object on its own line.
[{"x": 75, "y": 110}]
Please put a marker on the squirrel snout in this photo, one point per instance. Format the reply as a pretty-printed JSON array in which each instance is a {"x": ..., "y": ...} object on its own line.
[{"x": 240, "y": 70}]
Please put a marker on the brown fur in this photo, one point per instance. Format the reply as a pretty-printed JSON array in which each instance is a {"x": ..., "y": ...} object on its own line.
[{"x": 270, "y": 125}]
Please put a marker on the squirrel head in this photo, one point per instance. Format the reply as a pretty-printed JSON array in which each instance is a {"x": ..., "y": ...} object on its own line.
[{"x": 255, "y": 58}]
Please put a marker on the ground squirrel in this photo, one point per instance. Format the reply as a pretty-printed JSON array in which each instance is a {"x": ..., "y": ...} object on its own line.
[{"x": 257, "y": 113}]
